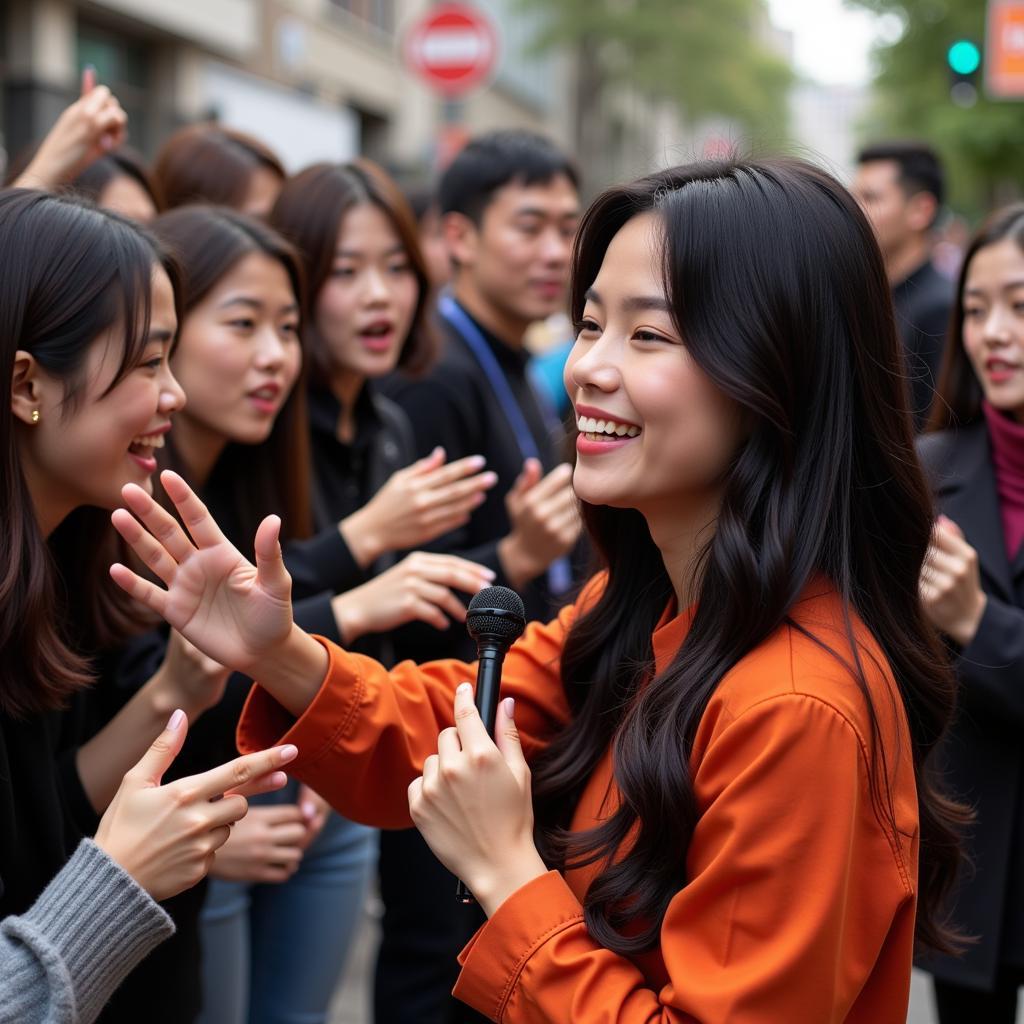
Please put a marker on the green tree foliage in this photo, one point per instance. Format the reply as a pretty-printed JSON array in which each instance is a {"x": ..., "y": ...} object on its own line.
[
  {"x": 982, "y": 143},
  {"x": 707, "y": 56}
]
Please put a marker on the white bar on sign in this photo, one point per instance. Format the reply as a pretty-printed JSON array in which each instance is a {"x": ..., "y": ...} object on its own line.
[{"x": 455, "y": 47}]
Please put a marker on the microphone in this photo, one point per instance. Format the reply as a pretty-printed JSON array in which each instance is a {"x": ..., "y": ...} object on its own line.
[{"x": 495, "y": 619}]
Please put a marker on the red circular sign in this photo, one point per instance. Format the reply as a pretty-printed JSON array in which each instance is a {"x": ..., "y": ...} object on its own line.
[{"x": 453, "y": 48}]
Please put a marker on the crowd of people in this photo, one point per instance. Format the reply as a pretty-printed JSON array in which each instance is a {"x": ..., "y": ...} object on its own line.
[{"x": 757, "y": 750}]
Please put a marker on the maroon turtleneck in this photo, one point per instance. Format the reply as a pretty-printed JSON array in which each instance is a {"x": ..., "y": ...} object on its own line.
[{"x": 1007, "y": 440}]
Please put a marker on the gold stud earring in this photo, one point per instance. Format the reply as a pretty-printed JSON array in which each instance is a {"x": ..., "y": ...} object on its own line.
[{"x": 35, "y": 415}]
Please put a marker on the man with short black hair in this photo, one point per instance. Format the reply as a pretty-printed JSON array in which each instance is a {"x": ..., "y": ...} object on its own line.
[
  {"x": 509, "y": 210},
  {"x": 901, "y": 186}
]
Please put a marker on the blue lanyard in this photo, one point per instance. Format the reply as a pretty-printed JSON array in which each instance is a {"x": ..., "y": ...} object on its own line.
[
  {"x": 559, "y": 572},
  {"x": 482, "y": 352}
]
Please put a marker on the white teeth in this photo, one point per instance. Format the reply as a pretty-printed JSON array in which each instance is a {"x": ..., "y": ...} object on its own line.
[
  {"x": 589, "y": 425},
  {"x": 150, "y": 440}
]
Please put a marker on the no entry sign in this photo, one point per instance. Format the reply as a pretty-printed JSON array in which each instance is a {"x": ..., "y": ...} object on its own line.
[{"x": 453, "y": 48}]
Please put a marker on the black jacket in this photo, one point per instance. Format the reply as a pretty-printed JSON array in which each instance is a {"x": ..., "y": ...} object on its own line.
[
  {"x": 346, "y": 477},
  {"x": 922, "y": 302},
  {"x": 983, "y": 758},
  {"x": 454, "y": 406}
]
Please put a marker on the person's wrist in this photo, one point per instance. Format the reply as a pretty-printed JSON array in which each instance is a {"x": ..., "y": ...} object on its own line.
[
  {"x": 493, "y": 886},
  {"x": 965, "y": 631},
  {"x": 166, "y": 697},
  {"x": 348, "y": 618},
  {"x": 293, "y": 671},
  {"x": 360, "y": 533},
  {"x": 519, "y": 568}
]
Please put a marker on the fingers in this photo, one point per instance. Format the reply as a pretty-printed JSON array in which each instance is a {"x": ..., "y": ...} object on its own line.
[
  {"x": 429, "y": 462},
  {"x": 443, "y": 599},
  {"x": 946, "y": 525},
  {"x": 950, "y": 539},
  {"x": 472, "y": 734},
  {"x": 450, "y": 570},
  {"x": 311, "y": 804},
  {"x": 290, "y": 834},
  {"x": 145, "y": 545},
  {"x": 455, "y": 471},
  {"x": 269, "y": 783},
  {"x": 162, "y": 751},
  {"x": 506, "y": 735},
  {"x": 160, "y": 523},
  {"x": 529, "y": 477},
  {"x": 558, "y": 480},
  {"x": 200, "y": 524},
  {"x": 237, "y": 774},
  {"x": 227, "y": 811},
  {"x": 281, "y": 814},
  {"x": 88, "y": 80},
  {"x": 448, "y": 745},
  {"x": 465, "y": 493},
  {"x": 270, "y": 570},
  {"x": 142, "y": 590}
]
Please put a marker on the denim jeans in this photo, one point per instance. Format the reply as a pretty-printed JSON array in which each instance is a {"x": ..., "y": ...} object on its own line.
[{"x": 272, "y": 954}]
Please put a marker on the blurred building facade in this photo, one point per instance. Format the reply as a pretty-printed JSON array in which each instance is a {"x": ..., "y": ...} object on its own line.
[{"x": 316, "y": 79}]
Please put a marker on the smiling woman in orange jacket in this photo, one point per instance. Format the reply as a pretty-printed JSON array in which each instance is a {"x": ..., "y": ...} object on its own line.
[{"x": 728, "y": 817}]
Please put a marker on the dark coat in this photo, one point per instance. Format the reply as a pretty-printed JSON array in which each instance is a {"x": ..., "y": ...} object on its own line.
[
  {"x": 983, "y": 758},
  {"x": 922, "y": 304},
  {"x": 454, "y": 406}
]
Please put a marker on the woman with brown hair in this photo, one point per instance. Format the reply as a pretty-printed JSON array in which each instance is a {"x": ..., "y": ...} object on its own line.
[
  {"x": 210, "y": 163},
  {"x": 972, "y": 588}
]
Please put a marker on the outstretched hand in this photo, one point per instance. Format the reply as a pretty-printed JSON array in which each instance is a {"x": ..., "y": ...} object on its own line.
[{"x": 232, "y": 610}]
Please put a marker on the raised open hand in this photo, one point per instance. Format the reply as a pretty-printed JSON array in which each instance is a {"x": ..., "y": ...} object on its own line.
[{"x": 232, "y": 610}]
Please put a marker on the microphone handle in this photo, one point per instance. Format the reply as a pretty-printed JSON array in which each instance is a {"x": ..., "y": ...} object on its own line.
[{"x": 490, "y": 657}]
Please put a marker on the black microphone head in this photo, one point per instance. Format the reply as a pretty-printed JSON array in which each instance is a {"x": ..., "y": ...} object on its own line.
[{"x": 496, "y": 613}]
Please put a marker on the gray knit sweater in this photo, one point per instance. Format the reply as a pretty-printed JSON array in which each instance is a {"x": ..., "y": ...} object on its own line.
[{"x": 62, "y": 959}]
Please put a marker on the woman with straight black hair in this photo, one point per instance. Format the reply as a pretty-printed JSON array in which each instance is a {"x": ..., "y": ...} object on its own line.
[
  {"x": 730, "y": 815},
  {"x": 87, "y": 320},
  {"x": 244, "y": 444},
  {"x": 972, "y": 586}
]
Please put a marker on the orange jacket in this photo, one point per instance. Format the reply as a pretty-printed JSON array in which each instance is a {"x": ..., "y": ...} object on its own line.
[{"x": 796, "y": 903}]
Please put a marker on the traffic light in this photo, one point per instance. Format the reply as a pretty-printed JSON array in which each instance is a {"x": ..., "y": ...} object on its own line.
[{"x": 964, "y": 60}]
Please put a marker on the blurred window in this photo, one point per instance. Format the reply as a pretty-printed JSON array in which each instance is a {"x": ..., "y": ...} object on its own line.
[
  {"x": 378, "y": 13},
  {"x": 122, "y": 62}
]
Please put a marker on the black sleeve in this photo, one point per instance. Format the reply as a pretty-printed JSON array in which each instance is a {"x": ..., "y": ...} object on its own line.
[
  {"x": 438, "y": 415},
  {"x": 315, "y": 615},
  {"x": 991, "y": 666},
  {"x": 323, "y": 562},
  {"x": 928, "y": 341},
  {"x": 78, "y": 807}
]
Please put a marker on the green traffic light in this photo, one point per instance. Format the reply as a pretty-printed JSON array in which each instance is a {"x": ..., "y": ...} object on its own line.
[{"x": 964, "y": 57}]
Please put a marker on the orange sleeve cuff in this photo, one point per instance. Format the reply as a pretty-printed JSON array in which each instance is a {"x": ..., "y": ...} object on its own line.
[
  {"x": 494, "y": 958},
  {"x": 266, "y": 723}
]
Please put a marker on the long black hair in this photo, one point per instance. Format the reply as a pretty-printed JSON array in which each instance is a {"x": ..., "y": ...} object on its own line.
[
  {"x": 273, "y": 476},
  {"x": 778, "y": 289},
  {"x": 68, "y": 273},
  {"x": 958, "y": 396}
]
